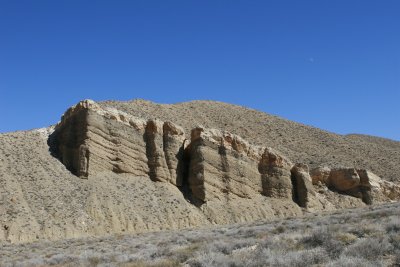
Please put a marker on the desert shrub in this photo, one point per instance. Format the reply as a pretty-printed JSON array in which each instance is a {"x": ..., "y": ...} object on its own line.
[
  {"x": 299, "y": 258},
  {"x": 213, "y": 259},
  {"x": 322, "y": 238},
  {"x": 184, "y": 253},
  {"x": 158, "y": 263},
  {"x": 345, "y": 261},
  {"x": 334, "y": 248},
  {"x": 365, "y": 231},
  {"x": 94, "y": 261},
  {"x": 393, "y": 226},
  {"x": 37, "y": 261},
  {"x": 346, "y": 238},
  {"x": 369, "y": 248},
  {"x": 395, "y": 241},
  {"x": 164, "y": 263},
  {"x": 268, "y": 257},
  {"x": 397, "y": 260},
  {"x": 227, "y": 246},
  {"x": 280, "y": 243},
  {"x": 316, "y": 239},
  {"x": 58, "y": 259},
  {"x": 279, "y": 229}
]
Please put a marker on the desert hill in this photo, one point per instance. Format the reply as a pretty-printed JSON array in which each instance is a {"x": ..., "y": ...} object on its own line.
[{"x": 120, "y": 167}]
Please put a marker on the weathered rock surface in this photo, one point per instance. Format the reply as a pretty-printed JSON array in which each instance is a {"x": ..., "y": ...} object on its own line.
[
  {"x": 320, "y": 175},
  {"x": 220, "y": 172},
  {"x": 343, "y": 179},
  {"x": 146, "y": 175},
  {"x": 303, "y": 190},
  {"x": 90, "y": 140},
  {"x": 219, "y": 163},
  {"x": 276, "y": 176},
  {"x": 296, "y": 141},
  {"x": 359, "y": 183}
]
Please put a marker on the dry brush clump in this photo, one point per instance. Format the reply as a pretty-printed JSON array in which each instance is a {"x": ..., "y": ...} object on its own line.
[{"x": 354, "y": 237}]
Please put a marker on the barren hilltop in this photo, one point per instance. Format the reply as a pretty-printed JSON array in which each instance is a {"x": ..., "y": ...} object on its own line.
[{"x": 137, "y": 166}]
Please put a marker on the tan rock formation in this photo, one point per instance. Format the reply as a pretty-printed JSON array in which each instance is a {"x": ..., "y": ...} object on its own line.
[
  {"x": 275, "y": 173},
  {"x": 173, "y": 146},
  {"x": 303, "y": 189},
  {"x": 343, "y": 179},
  {"x": 320, "y": 175},
  {"x": 359, "y": 183},
  {"x": 219, "y": 164},
  {"x": 144, "y": 175},
  {"x": 91, "y": 140}
]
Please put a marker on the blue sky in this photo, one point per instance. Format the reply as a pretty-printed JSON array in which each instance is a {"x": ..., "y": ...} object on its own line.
[{"x": 330, "y": 64}]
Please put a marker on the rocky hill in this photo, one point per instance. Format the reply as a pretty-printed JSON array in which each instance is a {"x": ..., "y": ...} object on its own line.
[{"x": 118, "y": 167}]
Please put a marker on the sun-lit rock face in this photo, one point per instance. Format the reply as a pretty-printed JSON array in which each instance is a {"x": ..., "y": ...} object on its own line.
[
  {"x": 140, "y": 173},
  {"x": 145, "y": 174},
  {"x": 222, "y": 163},
  {"x": 359, "y": 183},
  {"x": 91, "y": 140}
]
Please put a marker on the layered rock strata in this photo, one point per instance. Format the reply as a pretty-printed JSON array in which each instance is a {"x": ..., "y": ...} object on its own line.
[
  {"x": 91, "y": 140},
  {"x": 147, "y": 175},
  {"x": 359, "y": 183}
]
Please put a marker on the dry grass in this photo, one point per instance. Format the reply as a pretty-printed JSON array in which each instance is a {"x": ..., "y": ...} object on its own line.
[{"x": 354, "y": 237}]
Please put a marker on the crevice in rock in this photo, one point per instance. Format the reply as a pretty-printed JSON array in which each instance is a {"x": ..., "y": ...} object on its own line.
[
  {"x": 295, "y": 191},
  {"x": 194, "y": 160},
  {"x": 225, "y": 169},
  {"x": 151, "y": 150},
  {"x": 366, "y": 195},
  {"x": 183, "y": 166}
]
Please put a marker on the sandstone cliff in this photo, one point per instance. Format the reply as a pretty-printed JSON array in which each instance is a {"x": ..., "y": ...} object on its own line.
[{"x": 104, "y": 171}]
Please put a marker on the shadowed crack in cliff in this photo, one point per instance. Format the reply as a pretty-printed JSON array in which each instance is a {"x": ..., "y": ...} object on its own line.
[
  {"x": 151, "y": 154},
  {"x": 225, "y": 169}
]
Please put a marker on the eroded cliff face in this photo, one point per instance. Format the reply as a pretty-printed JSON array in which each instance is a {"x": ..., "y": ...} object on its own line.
[
  {"x": 146, "y": 174},
  {"x": 91, "y": 140},
  {"x": 212, "y": 165}
]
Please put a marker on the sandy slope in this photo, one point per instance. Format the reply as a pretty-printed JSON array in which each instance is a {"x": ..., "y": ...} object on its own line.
[{"x": 40, "y": 199}]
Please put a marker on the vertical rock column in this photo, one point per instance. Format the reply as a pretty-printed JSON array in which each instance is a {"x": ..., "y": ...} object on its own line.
[
  {"x": 70, "y": 140},
  {"x": 158, "y": 168},
  {"x": 303, "y": 190},
  {"x": 196, "y": 166},
  {"x": 365, "y": 186},
  {"x": 275, "y": 174},
  {"x": 173, "y": 140}
]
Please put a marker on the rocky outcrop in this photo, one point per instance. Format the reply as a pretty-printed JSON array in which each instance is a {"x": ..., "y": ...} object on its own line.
[
  {"x": 90, "y": 140},
  {"x": 303, "y": 189},
  {"x": 275, "y": 173},
  {"x": 376, "y": 189},
  {"x": 359, "y": 183},
  {"x": 221, "y": 176},
  {"x": 320, "y": 175},
  {"x": 222, "y": 163},
  {"x": 144, "y": 174},
  {"x": 343, "y": 179}
]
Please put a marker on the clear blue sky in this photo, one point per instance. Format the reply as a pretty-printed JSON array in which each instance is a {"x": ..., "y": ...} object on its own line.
[{"x": 330, "y": 64}]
